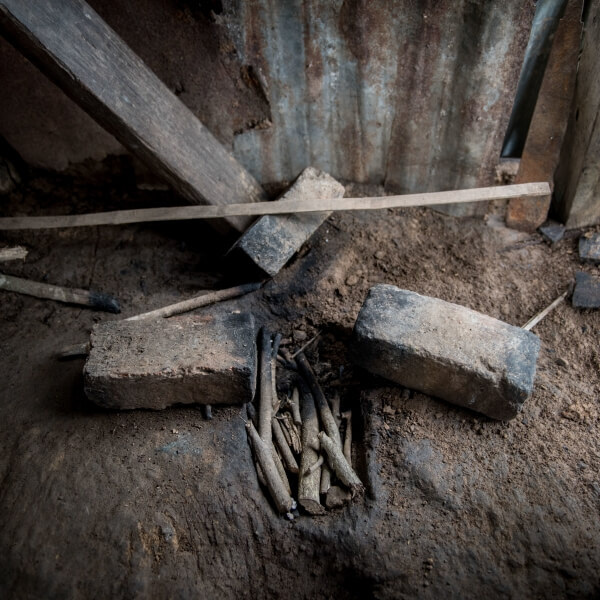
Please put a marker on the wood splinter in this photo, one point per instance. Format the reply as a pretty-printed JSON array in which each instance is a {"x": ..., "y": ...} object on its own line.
[
  {"x": 97, "y": 300},
  {"x": 339, "y": 464},
  {"x": 347, "y": 416},
  {"x": 281, "y": 497}
]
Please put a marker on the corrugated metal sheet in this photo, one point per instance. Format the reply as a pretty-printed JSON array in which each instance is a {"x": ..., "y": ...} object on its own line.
[{"x": 412, "y": 94}]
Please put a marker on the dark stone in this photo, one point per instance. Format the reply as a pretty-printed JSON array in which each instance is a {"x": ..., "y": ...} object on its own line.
[
  {"x": 552, "y": 231},
  {"x": 446, "y": 350},
  {"x": 155, "y": 363},
  {"x": 272, "y": 241},
  {"x": 589, "y": 248},
  {"x": 587, "y": 291}
]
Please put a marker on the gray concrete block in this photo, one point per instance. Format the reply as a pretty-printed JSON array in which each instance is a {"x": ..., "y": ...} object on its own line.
[
  {"x": 589, "y": 248},
  {"x": 273, "y": 239},
  {"x": 446, "y": 350},
  {"x": 587, "y": 291},
  {"x": 155, "y": 363}
]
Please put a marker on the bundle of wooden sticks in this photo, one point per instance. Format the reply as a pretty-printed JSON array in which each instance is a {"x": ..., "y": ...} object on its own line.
[{"x": 299, "y": 438}]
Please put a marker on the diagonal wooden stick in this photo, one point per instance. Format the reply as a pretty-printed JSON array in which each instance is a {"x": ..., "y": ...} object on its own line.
[{"x": 180, "y": 213}]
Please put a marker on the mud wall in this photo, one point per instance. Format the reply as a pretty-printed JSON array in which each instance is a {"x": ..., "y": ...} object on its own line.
[{"x": 413, "y": 95}]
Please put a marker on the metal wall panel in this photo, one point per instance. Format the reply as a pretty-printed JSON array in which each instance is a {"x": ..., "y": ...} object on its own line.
[{"x": 412, "y": 94}]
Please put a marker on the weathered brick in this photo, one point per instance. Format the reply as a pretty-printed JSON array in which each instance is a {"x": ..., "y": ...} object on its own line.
[
  {"x": 155, "y": 363},
  {"x": 272, "y": 241},
  {"x": 446, "y": 350}
]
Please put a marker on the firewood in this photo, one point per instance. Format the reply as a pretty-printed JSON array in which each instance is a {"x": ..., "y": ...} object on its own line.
[
  {"x": 308, "y": 484},
  {"x": 295, "y": 404},
  {"x": 284, "y": 449},
  {"x": 281, "y": 497},
  {"x": 265, "y": 410},
  {"x": 347, "y": 416},
  {"x": 340, "y": 465}
]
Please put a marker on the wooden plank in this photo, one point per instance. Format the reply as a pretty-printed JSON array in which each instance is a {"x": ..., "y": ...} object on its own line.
[
  {"x": 69, "y": 42},
  {"x": 549, "y": 121},
  {"x": 308, "y": 205},
  {"x": 577, "y": 182}
]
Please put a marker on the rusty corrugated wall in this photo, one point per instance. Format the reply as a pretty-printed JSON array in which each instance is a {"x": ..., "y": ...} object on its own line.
[{"x": 412, "y": 94}]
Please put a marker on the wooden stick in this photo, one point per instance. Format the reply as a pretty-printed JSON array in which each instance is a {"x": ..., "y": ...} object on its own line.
[
  {"x": 335, "y": 408},
  {"x": 295, "y": 404},
  {"x": 305, "y": 346},
  {"x": 181, "y": 213},
  {"x": 325, "y": 483},
  {"x": 535, "y": 320},
  {"x": 348, "y": 437},
  {"x": 308, "y": 484},
  {"x": 340, "y": 465},
  {"x": 315, "y": 466},
  {"x": 197, "y": 302},
  {"x": 327, "y": 419},
  {"x": 274, "y": 350},
  {"x": 293, "y": 431},
  {"x": 265, "y": 409},
  {"x": 96, "y": 300},
  {"x": 14, "y": 253},
  {"x": 286, "y": 454},
  {"x": 282, "y": 499},
  {"x": 280, "y": 469}
]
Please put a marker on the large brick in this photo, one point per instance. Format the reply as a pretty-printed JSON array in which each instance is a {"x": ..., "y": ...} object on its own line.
[
  {"x": 446, "y": 350},
  {"x": 274, "y": 239},
  {"x": 155, "y": 363}
]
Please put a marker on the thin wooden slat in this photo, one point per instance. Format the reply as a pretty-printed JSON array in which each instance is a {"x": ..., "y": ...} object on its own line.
[
  {"x": 70, "y": 43},
  {"x": 181, "y": 213}
]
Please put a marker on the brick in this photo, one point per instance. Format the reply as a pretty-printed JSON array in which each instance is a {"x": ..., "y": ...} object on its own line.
[
  {"x": 587, "y": 291},
  {"x": 446, "y": 350},
  {"x": 155, "y": 363},
  {"x": 272, "y": 241},
  {"x": 589, "y": 248}
]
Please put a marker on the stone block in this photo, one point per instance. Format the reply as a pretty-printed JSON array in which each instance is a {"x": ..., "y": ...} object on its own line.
[
  {"x": 589, "y": 247},
  {"x": 155, "y": 363},
  {"x": 446, "y": 350},
  {"x": 587, "y": 291},
  {"x": 273, "y": 239}
]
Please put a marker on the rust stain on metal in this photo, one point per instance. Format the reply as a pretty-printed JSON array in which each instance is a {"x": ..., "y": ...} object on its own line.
[
  {"x": 549, "y": 122},
  {"x": 413, "y": 95}
]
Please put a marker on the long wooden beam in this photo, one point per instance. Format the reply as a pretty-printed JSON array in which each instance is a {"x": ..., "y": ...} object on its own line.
[
  {"x": 182, "y": 213},
  {"x": 71, "y": 44}
]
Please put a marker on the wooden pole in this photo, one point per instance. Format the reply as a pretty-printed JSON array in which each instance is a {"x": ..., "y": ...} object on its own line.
[
  {"x": 96, "y": 300},
  {"x": 197, "y": 302},
  {"x": 181, "y": 213},
  {"x": 339, "y": 464},
  {"x": 70, "y": 43}
]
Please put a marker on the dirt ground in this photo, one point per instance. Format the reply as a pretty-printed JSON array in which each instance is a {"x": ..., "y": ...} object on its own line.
[{"x": 139, "y": 504}]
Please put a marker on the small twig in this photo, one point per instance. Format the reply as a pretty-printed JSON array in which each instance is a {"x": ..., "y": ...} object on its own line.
[
  {"x": 290, "y": 363},
  {"x": 347, "y": 416},
  {"x": 282, "y": 444},
  {"x": 274, "y": 349},
  {"x": 97, "y": 300},
  {"x": 325, "y": 483},
  {"x": 303, "y": 348},
  {"x": 335, "y": 408},
  {"x": 295, "y": 404},
  {"x": 280, "y": 469},
  {"x": 282, "y": 499},
  {"x": 339, "y": 464},
  {"x": 535, "y": 320},
  {"x": 14, "y": 253},
  {"x": 197, "y": 302}
]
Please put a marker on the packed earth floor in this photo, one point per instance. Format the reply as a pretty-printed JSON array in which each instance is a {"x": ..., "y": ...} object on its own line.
[{"x": 139, "y": 504}]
